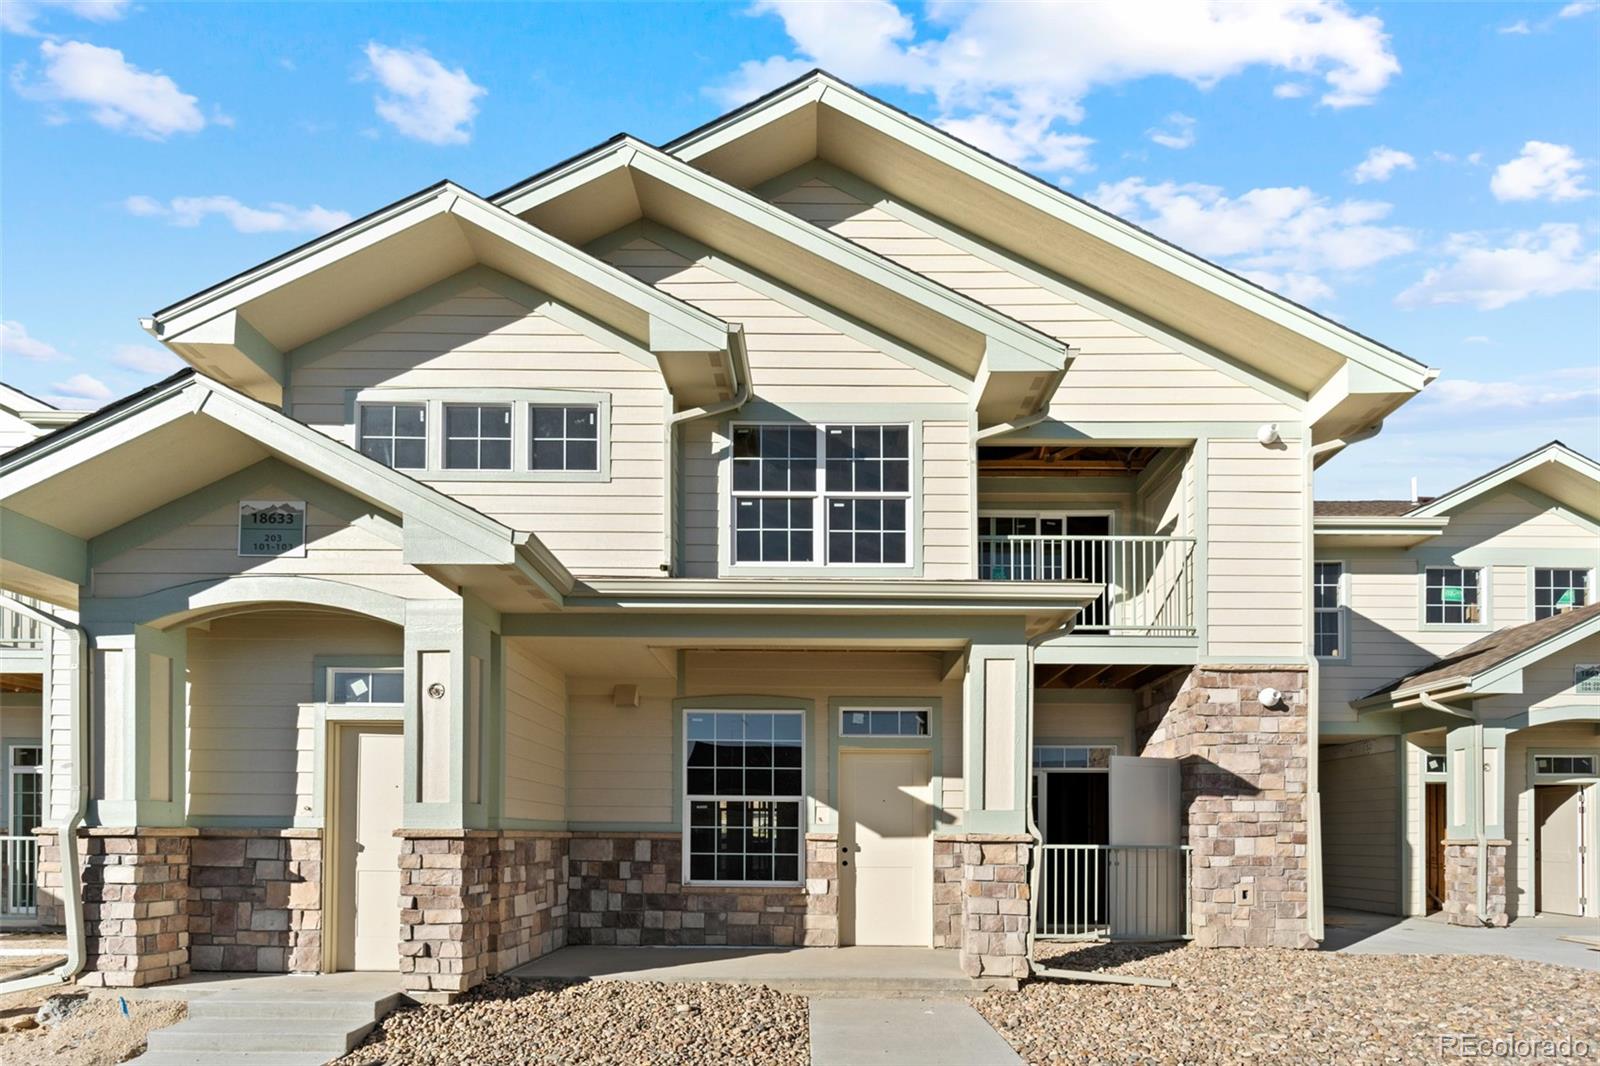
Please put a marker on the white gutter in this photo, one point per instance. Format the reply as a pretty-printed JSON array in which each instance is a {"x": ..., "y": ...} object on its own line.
[
  {"x": 71, "y": 887},
  {"x": 743, "y": 389},
  {"x": 1483, "y": 839},
  {"x": 1037, "y": 865}
]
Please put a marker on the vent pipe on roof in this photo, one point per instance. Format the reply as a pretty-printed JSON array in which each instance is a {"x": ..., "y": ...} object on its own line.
[{"x": 1413, "y": 490}]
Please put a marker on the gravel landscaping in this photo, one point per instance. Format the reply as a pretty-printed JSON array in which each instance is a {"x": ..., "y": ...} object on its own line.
[
  {"x": 1292, "y": 1006},
  {"x": 599, "y": 1022}
]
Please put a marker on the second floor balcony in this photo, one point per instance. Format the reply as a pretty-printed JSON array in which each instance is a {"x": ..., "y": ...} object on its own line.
[{"x": 1149, "y": 579}]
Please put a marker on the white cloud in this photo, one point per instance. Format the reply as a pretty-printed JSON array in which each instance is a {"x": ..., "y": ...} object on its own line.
[
  {"x": 425, "y": 100},
  {"x": 1543, "y": 171},
  {"x": 1011, "y": 71},
  {"x": 1177, "y": 131},
  {"x": 143, "y": 359},
  {"x": 1476, "y": 338},
  {"x": 116, "y": 94},
  {"x": 1381, "y": 163},
  {"x": 14, "y": 340},
  {"x": 1573, "y": 10},
  {"x": 1519, "y": 28},
  {"x": 190, "y": 211},
  {"x": 80, "y": 392},
  {"x": 1571, "y": 385},
  {"x": 1548, "y": 261},
  {"x": 1290, "y": 90},
  {"x": 18, "y": 16},
  {"x": 1281, "y": 237}
]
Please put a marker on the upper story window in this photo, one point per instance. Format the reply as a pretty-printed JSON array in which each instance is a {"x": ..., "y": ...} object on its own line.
[
  {"x": 477, "y": 436},
  {"x": 1328, "y": 610},
  {"x": 1556, "y": 590},
  {"x": 1452, "y": 596},
  {"x": 564, "y": 437},
  {"x": 395, "y": 434},
  {"x": 839, "y": 495},
  {"x": 366, "y": 686}
]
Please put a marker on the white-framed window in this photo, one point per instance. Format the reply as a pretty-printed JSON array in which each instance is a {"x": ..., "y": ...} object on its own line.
[
  {"x": 1564, "y": 765},
  {"x": 1452, "y": 595},
  {"x": 1073, "y": 756},
  {"x": 24, "y": 789},
  {"x": 1433, "y": 762},
  {"x": 564, "y": 436},
  {"x": 744, "y": 795},
  {"x": 1327, "y": 612},
  {"x": 883, "y": 721},
  {"x": 1558, "y": 589},
  {"x": 838, "y": 495},
  {"x": 395, "y": 434},
  {"x": 477, "y": 436},
  {"x": 347, "y": 685}
]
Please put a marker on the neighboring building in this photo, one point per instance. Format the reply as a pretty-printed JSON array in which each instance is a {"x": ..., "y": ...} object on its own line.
[
  {"x": 24, "y": 417},
  {"x": 770, "y": 538},
  {"x": 1459, "y": 639}
]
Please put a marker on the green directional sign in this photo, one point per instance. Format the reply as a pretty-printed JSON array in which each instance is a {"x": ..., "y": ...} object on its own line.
[
  {"x": 1566, "y": 598},
  {"x": 1454, "y": 594}
]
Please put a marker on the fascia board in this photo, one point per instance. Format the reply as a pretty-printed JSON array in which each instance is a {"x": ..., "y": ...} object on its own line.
[
  {"x": 44, "y": 549},
  {"x": 733, "y": 126},
  {"x": 1556, "y": 453},
  {"x": 80, "y": 443}
]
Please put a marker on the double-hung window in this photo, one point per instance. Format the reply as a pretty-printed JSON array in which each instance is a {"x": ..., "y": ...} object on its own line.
[
  {"x": 564, "y": 437},
  {"x": 477, "y": 436},
  {"x": 1557, "y": 589},
  {"x": 814, "y": 495},
  {"x": 395, "y": 434},
  {"x": 1328, "y": 610},
  {"x": 1452, "y": 595},
  {"x": 744, "y": 786}
]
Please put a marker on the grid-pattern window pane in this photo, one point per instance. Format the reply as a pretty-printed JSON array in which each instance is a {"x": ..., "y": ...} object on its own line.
[
  {"x": 866, "y": 530},
  {"x": 773, "y": 529},
  {"x": 477, "y": 436},
  {"x": 1556, "y": 590},
  {"x": 564, "y": 437},
  {"x": 744, "y": 780},
  {"x": 367, "y": 686},
  {"x": 774, "y": 486},
  {"x": 1327, "y": 614},
  {"x": 1582, "y": 765},
  {"x": 863, "y": 460},
  {"x": 888, "y": 722},
  {"x": 1451, "y": 596},
  {"x": 395, "y": 434}
]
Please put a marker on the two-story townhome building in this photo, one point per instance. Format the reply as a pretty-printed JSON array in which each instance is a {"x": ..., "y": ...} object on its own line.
[
  {"x": 1459, "y": 648},
  {"x": 812, "y": 531}
]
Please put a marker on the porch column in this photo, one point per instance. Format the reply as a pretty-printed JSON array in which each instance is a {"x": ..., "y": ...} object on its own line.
[
  {"x": 1475, "y": 835},
  {"x": 992, "y": 850}
]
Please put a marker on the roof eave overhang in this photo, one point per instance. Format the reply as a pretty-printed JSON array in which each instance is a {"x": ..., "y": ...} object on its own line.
[
  {"x": 1552, "y": 453},
  {"x": 1356, "y": 531}
]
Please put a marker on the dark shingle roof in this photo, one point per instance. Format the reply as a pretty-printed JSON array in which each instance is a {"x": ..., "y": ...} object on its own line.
[
  {"x": 1494, "y": 649},
  {"x": 1366, "y": 508}
]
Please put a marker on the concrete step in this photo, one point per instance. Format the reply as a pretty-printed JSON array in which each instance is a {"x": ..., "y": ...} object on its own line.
[
  {"x": 330, "y": 1037},
  {"x": 353, "y": 1008},
  {"x": 231, "y": 1058}
]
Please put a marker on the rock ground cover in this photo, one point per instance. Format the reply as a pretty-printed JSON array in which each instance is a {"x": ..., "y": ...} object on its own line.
[
  {"x": 97, "y": 1033},
  {"x": 1268, "y": 1006},
  {"x": 506, "y": 1021}
]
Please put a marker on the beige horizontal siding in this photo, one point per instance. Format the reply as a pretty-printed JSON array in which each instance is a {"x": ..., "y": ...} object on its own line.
[
  {"x": 1360, "y": 788},
  {"x": 620, "y": 758},
  {"x": 1255, "y": 611},
  {"x": 1119, "y": 373},
  {"x": 1108, "y": 716},
  {"x": 252, "y": 738},
  {"x": 479, "y": 339},
  {"x": 339, "y": 547},
  {"x": 535, "y": 736}
]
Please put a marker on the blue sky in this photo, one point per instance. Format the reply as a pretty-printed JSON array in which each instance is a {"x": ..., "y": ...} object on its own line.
[{"x": 1425, "y": 173}]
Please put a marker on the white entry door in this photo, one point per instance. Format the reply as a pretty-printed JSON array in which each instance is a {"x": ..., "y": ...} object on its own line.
[
  {"x": 371, "y": 774},
  {"x": 885, "y": 848},
  {"x": 1559, "y": 818},
  {"x": 1145, "y": 878}
]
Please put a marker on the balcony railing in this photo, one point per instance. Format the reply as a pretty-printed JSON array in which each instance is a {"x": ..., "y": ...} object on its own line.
[
  {"x": 19, "y": 875},
  {"x": 19, "y": 631},
  {"x": 1149, "y": 579},
  {"x": 1113, "y": 891}
]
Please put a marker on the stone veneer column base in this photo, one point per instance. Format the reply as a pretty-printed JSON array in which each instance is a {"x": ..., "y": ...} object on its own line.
[
  {"x": 1461, "y": 883},
  {"x": 1244, "y": 776},
  {"x": 628, "y": 889},
  {"x": 255, "y": 900},
  {"x": 49, "y": 880},
  {"x": 981, "y": 898},
  {"x": 474, "y": 903},
  {"x": 135, "y": 905}
]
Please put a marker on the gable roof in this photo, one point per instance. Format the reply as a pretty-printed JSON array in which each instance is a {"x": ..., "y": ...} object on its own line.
[
  {"x": 1462, "y": 671},
  {"x": 1567, "y": 476},
  {"x": 241, "y": 330},
  {"x": 1363, "y": 508},
  {"x": 820, "y": 116}
]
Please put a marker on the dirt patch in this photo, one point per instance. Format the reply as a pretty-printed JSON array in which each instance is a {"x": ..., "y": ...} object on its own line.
[
  {"x": 1265, "y": 1006},
  {"x": 598, "y": 1022},
  {"x": 97, "y": 1033}
]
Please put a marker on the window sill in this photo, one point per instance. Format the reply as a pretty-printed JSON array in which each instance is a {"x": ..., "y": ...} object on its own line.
[{"x": 743, "y": 886}]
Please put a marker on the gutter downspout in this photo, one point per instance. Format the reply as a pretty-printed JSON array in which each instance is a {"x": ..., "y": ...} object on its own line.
[
  {"x": 71, "y": 886},
  {"x": 1477, "y": 817},
  {"x": 743, "y": 389}
]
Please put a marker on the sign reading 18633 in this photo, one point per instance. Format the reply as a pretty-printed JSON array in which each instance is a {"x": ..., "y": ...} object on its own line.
[{"x": 272, "y": 527}]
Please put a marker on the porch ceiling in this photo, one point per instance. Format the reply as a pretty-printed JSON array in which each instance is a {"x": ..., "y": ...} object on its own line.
[
  {"x": 1094, "y": 676},
  {"x": 1054, "y": 460}
]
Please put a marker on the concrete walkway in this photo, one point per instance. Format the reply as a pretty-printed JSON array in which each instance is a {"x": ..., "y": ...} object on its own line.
[
  {"x": 1536, "y": 939},
  {"x": 838, "y": 971},
  {"x": 903, "y": 1032}
]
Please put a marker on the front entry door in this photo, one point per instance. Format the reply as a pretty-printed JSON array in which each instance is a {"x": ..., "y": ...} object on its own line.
[
  {"x": 371, "y": 771},
  {"x": 1434, "y": 805},
  {"x": 885, "y": 850},
  {"x": 1559, "y": 822}
]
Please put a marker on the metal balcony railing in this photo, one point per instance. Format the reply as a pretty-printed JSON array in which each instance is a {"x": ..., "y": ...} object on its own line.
[
  {"x": 19, "y": 875},
  {"x": 19, "y": 631},
  {"x": 1149, "y": 579},
  {"x": 1113, "y": 891}
]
